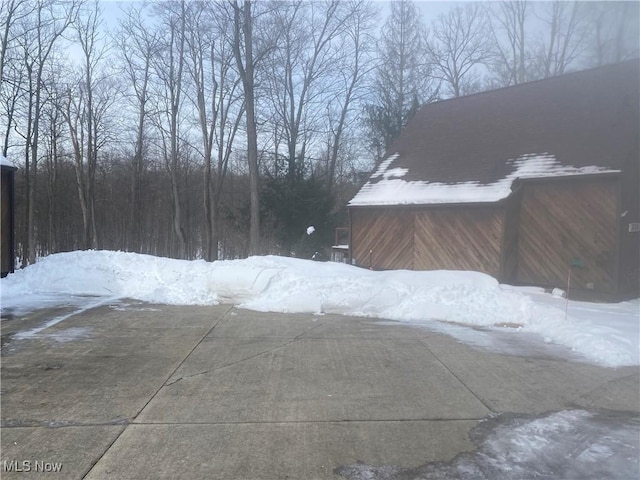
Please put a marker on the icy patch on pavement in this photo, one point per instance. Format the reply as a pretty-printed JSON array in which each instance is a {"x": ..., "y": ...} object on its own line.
[
  {"x": 127, "y": 307},
  {"x": 17, "y": 303},
  {"x": 502, "y": 340},
  {"x": 606, "y": 334},
  {"x": 34, "y": 332},
  {"x": 571, "y": 444},
  {"x": 69, "y": 334}
]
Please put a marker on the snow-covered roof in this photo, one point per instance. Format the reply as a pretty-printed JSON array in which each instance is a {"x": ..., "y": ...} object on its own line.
[
  {"x": 5, "y": 162},
  {"x": 387, "y": 187},
  {"x": 471, "y": 149}
]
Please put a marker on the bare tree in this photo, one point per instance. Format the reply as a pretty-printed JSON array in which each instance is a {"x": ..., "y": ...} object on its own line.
[
  {"x": 169, "y": 68},
  {"x": 613, "y": 31},
  {"x": 564, "y": 40},
  {"x": 403, "y": 80},
  {"x": 355, "y": 65},
  {"x": 219, "y": 105},
  {"x": 53, "y": 140},
  {"x": 509, "y": 22},
  {"x": 301, "y": 71},
  {"x": 460, "y": 40},
  {"x": 243, "y": 42},
  {"x": 7, "y": 12},
  {"x": 11, "y": 13},
  {"x": 41, "y": 30},
  {"x": 12, "y": 94},
  {"x": 138, "y": 45},
  {"x": 12, "y": 68},
  {"x": 85, "y": 114}
]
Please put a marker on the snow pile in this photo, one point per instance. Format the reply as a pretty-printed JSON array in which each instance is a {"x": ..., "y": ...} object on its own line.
[
  {"x": 608, "y": 334},
  {"x": 272, "y": 284},
  {"x": 393, "y": 190},
  {"x": 291, "y": 285},
  {"x": 112, "y": 274}
]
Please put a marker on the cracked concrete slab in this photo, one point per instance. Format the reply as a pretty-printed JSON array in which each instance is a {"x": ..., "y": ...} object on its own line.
[
  {"x": 241, "y": 323},
  {"x": 274, "y": 450},
  {"x": 320, "y": 380},
  {"x": 74, "y": 449},
  {"x": 216, "y": 353},
  {"x": 87, "y": 380},
  {"x": 129, "y": 390},
  {"x": 132, "y": 318},
  {"x": 536, "y": 385},
  {"x": 108, "y": 375}
]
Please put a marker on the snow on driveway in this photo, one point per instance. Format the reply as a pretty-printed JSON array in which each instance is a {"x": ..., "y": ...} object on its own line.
[
  {"x": 606, "y": 334},
  {"x": 571, "y": 444}
]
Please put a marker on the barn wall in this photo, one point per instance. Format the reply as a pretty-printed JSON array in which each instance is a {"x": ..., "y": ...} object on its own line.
[
  {"x": 382, "y": 238},
  {"x": 509, "y": 267},
  {"x": 628, "y": 214},
  {"x": 563, "y": 220},
  {"x": 6, "y": 228},
  {"x": 450, "y": 238},
  {"x": 458, "y": 238}
]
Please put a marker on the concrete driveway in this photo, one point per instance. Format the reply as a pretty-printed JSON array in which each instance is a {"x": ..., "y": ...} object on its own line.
[{"x": 137, "y": 391}]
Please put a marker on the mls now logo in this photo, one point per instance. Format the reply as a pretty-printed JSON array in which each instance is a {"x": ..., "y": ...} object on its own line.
[{"x": 29, "y": 466}]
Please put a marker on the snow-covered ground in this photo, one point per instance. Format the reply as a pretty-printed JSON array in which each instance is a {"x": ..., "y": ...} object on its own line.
[{"x": 606, "y": 334}]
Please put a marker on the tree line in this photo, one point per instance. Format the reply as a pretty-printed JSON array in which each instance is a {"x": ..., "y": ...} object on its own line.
[{"x": 222, "y": 129}]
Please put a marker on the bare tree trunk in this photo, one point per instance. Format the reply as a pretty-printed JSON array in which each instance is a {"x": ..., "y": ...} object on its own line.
[
  {"x": 92, "y": 240},
  {"x": 252, "y": 158},
  {"x": 358, "y": 24},
  {"x": 52, "y": 177},
  {"x": 77, "y": 142},
  {"x": 134, "y": 214},
  {"x": 521, "y": 12},
  {"x": 243, "y": 34},
  {"x": 31, "y": 234},
  {"x": 137, "y": 45},
  {"x": 208, "y": 214},
  {"x": 176, "y": 90},
  {"x": 47, "y": 29},
  {"x": 8, "y": 11}
]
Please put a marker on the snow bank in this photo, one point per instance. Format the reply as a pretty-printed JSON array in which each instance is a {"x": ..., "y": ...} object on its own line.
[
  {"x": 291, "y": 285},
  {"x": 273, "y": 284}
]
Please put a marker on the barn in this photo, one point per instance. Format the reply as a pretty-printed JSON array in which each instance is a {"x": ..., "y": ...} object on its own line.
[
  {"x": 7, "y": 259},
  {"x": 523, "y": 183}
]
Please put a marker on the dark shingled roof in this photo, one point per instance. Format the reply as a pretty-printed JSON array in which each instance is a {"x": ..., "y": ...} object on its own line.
[{"x": 587, "y": 118}]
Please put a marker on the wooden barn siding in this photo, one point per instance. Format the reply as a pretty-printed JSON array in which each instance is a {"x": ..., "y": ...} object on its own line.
[
  {"x": 453, "y": 238},
  {"x": 386, "y": 233},
  {"x": 458, "y": 238},
  {"x": 6, "y": 258},
  {"x": 509, "y": 259},
  {"x": 563, "y": 220},
  {"x": 629, "y": 242}
]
